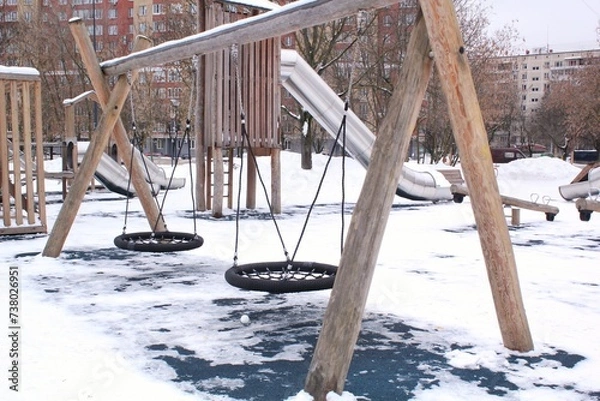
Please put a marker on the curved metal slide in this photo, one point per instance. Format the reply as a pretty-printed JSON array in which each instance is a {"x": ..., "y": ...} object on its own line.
[
  {"x": 115, "y": 177},
  {"x": 309, "y": 89},
  {"x": 582, "y": 189}
]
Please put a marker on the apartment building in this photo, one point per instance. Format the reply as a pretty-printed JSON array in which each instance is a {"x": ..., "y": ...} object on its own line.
[{"x": 534, "y": 71}]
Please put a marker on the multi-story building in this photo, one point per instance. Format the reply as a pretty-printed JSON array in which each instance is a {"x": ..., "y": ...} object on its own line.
[{"x": 534, "y": 71}]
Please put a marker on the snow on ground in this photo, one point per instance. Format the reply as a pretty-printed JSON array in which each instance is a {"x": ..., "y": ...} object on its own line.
[{"x": 105, "y": 324}]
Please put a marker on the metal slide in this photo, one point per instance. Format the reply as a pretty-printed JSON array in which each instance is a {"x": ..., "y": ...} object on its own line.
[
  {"x": 309, "y": 89},
  {"x": 582, "y": 189},
  {"x": 116, "y": 177}
]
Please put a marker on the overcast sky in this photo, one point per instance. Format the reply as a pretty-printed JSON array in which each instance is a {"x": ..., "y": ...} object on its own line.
[{"x": 563, "y": 24}]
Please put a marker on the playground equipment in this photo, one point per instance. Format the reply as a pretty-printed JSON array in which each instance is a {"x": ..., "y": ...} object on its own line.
[
  {"x": 586, "y": 184},
  {"x": 313, "y": 93},
  {"x": 23, "y": 206},
  {"x": 288, "y": 275},
  {"x": 460, "y": 191},
  {"x": 165, "y": 241},
  {"x": 586, "y": 187},
  {"x": 435, "y": 35}
]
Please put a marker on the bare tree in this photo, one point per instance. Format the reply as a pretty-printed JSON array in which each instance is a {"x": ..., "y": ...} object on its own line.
[
  {"x": 569, "y": 111},
  {"x": 498, "y": 94},
  {"x": 321, "y": 46}
]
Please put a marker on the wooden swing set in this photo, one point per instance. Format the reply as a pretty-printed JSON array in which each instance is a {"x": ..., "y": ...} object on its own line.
[{"x": 435, "y": 39}]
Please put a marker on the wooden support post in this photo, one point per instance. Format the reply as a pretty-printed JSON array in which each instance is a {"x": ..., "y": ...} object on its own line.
[
  {"x": 342, "y": 321},
  {"x": 41, "y": 181},
  {"x": 515, "y": 216},
  {"x": 470, "y": 134},
  {"x": 276, "y": 180},
  {"x": 251, "y": 183},
  {"x": 27, "y": 157},
  {"x": 5, "y": 179},
  {"x": 98, "y": 143},
  {"x": 16, "y": 140},
  {"x": 138, "y": 180},
  {"x": 217, "y": 205}
]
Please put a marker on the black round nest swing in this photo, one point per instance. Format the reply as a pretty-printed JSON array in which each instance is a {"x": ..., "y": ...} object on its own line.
[
  {"x": 160, "y": 241},
  {"x": 282, "y": 277},
  {"x": 289, "y": 275},
  {"x": 165, "y": 241}
]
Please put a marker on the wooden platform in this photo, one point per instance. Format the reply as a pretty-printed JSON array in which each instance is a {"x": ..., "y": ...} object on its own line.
[
  {"x": 460, "y": 191},
  {"x": 586, "y": 207}
]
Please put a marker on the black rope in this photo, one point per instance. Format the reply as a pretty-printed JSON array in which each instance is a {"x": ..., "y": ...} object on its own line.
[
  {"x": 312, "y": 205},
  {"x": 343, "y": 220},
  {"x": 239, "y": 196},
  {"x": 188, "y": 128},
  {"x": 134, "y": 128},
  {"x": 264, "y": 187}
]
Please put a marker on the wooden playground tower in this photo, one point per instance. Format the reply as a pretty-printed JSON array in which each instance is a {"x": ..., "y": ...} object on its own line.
[
  {"x": 23, "y": 206},
  {"x": 435, "y": 37},
  {"x": 244, "y": 78}
]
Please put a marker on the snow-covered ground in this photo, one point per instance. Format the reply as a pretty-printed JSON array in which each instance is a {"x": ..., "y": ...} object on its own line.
[{"x": 100, "y": 323}]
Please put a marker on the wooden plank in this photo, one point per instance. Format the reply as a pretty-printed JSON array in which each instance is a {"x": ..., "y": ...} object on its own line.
[
  {"x": 41, "y": 178},
  {"x": 16, "y": 140},
  {"x": 476, "y": 160},
  {"x": 583, "y": 174},
  {"x": 101, "y": 89},
  {"x": 510, "y": 201},
  {"x": 289, "y": 18},
  {"x": 98, "y": 143},
  {"x": 27, "y": 156},
  {"x": 19, "y": 230},
  {"x": 342, "y": 321},
  {"x": 4, "y": 173}
]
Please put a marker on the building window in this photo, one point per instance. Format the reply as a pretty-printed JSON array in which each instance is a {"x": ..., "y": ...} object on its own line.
[
  {"x": 535, "y": 89},
  {"x": 524, "y": 66},
  {"x": 535, "y": 78},
  {"x": 142, "y": 10},
  {"x": 11, "y": 16},
  {"x": 113, "y": 30},
  {"x": 524, "y": 87},
  {"x": 524, "y": 97},
  {"x": 536, "y": 68},
  {"x": 130, "y": 13},
  {"x": 157, "y": 9},
  {"x": 112, "y": 13},
  {"x": 524, "y": 77},
  {"x": 387, "y": 20},
  {"x": 547, "y": 64},
  {"x": 558, "y": 64},
  {"x": 11, "y": 2},
  {"x": 288, "y": 41},
  {"x": 27, "y": 16}
]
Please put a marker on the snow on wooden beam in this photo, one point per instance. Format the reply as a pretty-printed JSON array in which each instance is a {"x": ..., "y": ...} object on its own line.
[{"x": 289, "y": 18}]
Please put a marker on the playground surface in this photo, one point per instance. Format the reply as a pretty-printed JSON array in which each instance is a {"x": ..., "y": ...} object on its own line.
[{"x": 107, "y": 324}]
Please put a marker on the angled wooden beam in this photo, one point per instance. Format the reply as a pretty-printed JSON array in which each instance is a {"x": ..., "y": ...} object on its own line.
[
  {"x": 97, "y": 78},
  {"x": 342, "y": 321},
  {"x": 476, "y": 160},
  {"x": 289, "y": 18},
  {"x": 66, "y": 216}
]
